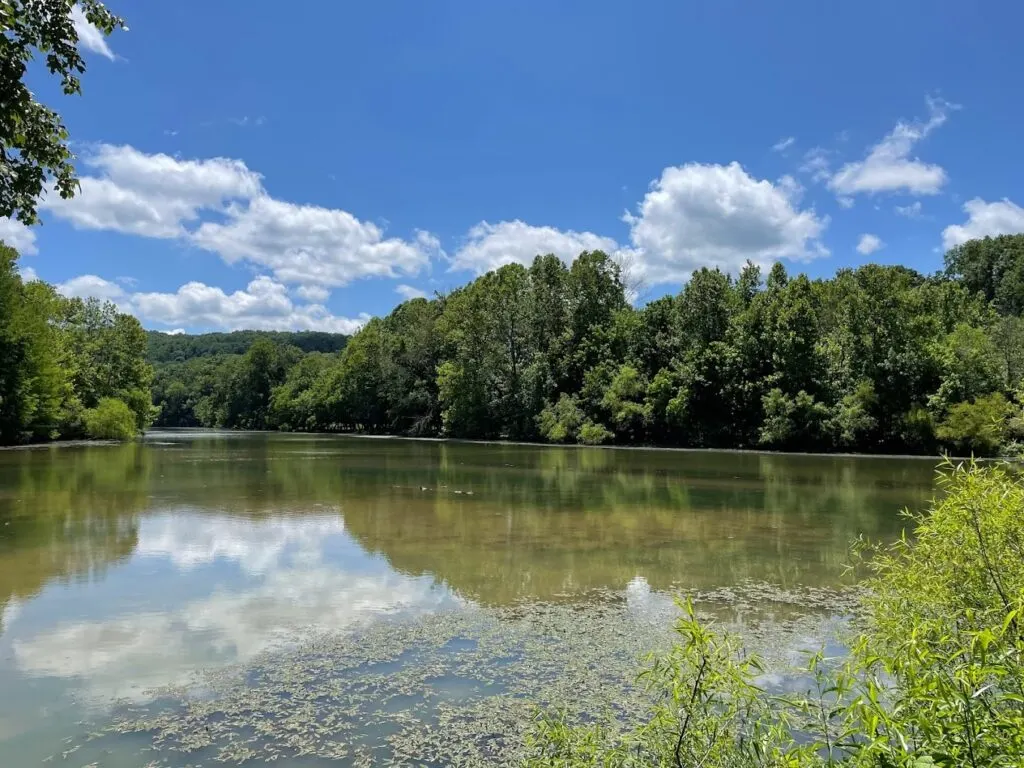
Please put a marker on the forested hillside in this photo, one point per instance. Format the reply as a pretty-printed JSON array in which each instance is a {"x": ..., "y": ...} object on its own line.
[
  {"x": 880, "y": 358},
  {"x": 68, "y": 368},
  {"x": 226, "y": 379},
  {"x": 179, "y": 347}
]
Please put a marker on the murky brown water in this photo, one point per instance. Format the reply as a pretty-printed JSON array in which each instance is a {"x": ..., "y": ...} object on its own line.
[{"x": 127, "y": 571}]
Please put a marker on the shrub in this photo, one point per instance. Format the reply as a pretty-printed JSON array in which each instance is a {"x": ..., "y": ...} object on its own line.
[
  {"x": 594, "y": 433},
  {"x": 111, "y": 419},
  {"x": 978, "y": 427},
  {"x": 935, "y": 677},
  {"x": 560, "y": 422}
]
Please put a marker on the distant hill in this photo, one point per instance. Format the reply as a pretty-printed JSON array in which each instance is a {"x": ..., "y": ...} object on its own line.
[{"x": 177, "y": 348}]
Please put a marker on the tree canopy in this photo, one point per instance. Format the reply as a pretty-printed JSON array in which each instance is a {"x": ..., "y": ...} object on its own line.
[
  {"x": 34, "y": 151},
  {"x": 874, "y": 359},
  {"x": 61, "y": 358}
]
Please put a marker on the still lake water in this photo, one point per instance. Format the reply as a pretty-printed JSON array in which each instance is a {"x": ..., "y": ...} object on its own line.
[{"x": 252, "y": 597}]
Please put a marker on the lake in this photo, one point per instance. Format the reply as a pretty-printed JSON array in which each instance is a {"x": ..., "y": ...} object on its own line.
[{"x": 307, "y": 600}]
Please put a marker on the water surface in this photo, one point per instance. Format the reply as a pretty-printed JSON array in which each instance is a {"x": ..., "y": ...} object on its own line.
[{"x": 315, "y": 597}]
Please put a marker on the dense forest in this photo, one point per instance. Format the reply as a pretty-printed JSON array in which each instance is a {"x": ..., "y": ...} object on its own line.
[
  {"x": 876, "y": 359},
  {"x": 68, "y": 368},
  {"x": 181, "y": 347},
  {"x": 227, "y": 379}
]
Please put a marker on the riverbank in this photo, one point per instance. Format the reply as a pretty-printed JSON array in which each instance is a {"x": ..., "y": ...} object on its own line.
[
  {"x": 534, "y": 444},
  {"x": 60, "y": 444}
]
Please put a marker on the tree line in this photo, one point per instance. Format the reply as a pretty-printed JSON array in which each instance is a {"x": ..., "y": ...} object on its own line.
[
  {"x": 68, "y": 368},
  {"x": 874, "y": 359}
]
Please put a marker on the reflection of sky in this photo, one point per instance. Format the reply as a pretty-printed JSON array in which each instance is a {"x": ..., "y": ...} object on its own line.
[{"x": 204, "y": 590}]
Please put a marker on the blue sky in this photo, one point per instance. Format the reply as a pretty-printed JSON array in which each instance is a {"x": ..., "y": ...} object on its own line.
[{"x": 308, "y": 165}]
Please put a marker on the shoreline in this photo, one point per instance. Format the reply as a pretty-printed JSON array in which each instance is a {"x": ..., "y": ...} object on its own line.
[
  {"x": 77, "y": 443},
  {"x": 534, "y": 444}
]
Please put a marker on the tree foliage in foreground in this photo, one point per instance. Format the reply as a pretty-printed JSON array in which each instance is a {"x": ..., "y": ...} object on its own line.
[
  {"x": 62, "y": 358},
  {"x": 875, "y": 359},
  {"x": 33, "y": 140},
  {"x": 935, "y": 676}
]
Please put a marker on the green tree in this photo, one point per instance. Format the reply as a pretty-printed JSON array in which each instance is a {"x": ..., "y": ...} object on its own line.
[
  {"x": 33, "y": 140},
  {"x": 106, "y": 356},
  {"x": 32, "y": 383},
  {"x": 993, "y": 267}
]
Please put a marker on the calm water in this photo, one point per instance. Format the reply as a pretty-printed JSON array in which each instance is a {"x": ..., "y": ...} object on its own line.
[{"x": 128, "y": 569}]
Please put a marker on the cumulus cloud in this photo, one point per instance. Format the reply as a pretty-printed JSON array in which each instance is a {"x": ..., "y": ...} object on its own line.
[
  {"x": 91, "y": 287},
  {"x": 1002, "y": 217},
  {"x": 89, "y": 37},
  {"x": 783, "y": 144},
  {"x": 889, "y": 167},
  {"x": 152, "y": 195},
  {"x": 16, "y": 235},
  {"x": 719, "y": 216},
  {"x": 27, "y": 274},
  {"x": 869, "y": 243},
  {"x": 315, "y": 293},
  {"x": 263, "y": 305},
  {"x": 692, "y": 216},
  {"x": 409, "y": 292},
  {"x": 310, "y": 244},
  {"x": 489, "y": 246},
  {"x": 159, "y": 196}
]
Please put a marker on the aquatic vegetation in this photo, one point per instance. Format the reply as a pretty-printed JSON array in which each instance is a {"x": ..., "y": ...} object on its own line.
[{"x": 461, "y": 687}]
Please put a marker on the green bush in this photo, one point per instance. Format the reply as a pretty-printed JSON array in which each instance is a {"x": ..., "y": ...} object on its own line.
[
  {"x": 935, "y": 676},
  {"x": 594, "y": 433},
  {"x": 978, "y": 427},
  {"x": 111, "y": 419},
  {"x": 560, "y": 422}
]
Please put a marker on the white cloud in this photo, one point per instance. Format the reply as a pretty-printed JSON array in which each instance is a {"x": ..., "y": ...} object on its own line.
[
  {"x": 911, "y": 211},
  {"x": 27, "y": 274},
  {"x": 175, "y": 332},
  {"x": 845, "y": 202},
  {"x": 161, "y": 196},
  {"x": 489, "y": 246},
  {"x": 694, "y": 215},
  {"x": 720, "y": 216},
  {"x": 869, "y": 244},
  {"x": 410, "y": 292},
  {"x": 817, "y": 164},
  {"x": 152, "y": 195},
  {"x": 309, "y": 244},
  {"x": 93, "y": 287},
  {"x": 888, "y": 166},
  {"x": 19, "y": 237},
  {"x": 315, "y": 293},
  {"x": 89, "y": 36},
  {"x": 1001, "y": 217},
  {"x": 783, "y": 144},
  {"x": 263, "y": 305}
]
